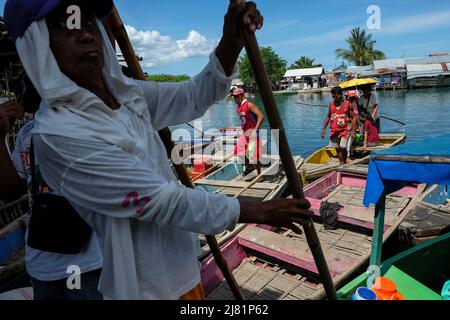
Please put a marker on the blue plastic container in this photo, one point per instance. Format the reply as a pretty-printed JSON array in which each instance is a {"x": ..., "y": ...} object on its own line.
[{"x": 363, "y": 293}]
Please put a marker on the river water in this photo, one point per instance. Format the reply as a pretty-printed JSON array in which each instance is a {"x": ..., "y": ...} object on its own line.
[{"x": 426, "y": 113}]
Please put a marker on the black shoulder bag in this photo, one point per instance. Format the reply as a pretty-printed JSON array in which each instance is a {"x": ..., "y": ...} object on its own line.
[{"x": 55, "y": 226}]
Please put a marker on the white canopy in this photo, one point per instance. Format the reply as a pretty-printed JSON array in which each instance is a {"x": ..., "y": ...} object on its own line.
[{"x": 297, "y": 73}]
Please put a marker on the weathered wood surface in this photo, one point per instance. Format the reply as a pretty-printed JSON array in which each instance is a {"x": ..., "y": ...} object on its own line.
[
  {"x": 362, "y": 169},
  {"x": 346, "y": 249},
  {"x": 424, "y": 222},
  {"x": 260, "y": 280},
  {"x": 341, "y": 247},
  {"x": 354, "y": 211}
]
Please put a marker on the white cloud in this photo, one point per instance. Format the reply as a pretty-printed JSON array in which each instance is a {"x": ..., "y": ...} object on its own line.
[
  {"x": 320, "y": 38},
  {"x": 415, "y": 23},
  {"x": 157, "y": 49},
  {"x": 276, "y": 27}
]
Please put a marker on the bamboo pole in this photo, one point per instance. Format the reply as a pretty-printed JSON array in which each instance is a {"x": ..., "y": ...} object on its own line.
[
  {"x": 116, "y": 26},
  {"x": 273, "y": 115}
]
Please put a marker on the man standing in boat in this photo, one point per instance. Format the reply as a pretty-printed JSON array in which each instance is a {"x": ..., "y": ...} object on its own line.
[
  {"x": 339, "y": 115},
  {"x": 249, "y": 144}
]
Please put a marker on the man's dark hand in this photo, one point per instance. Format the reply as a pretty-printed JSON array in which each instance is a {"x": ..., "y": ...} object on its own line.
[
  {"x": 240, "y": 13},
  {"x": 278, "y": 213},
  {"x": 9, "y": 110},
  {"x": 4, "y": 128}
]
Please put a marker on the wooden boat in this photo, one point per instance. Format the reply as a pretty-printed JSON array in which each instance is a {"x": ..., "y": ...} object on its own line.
[
  {"x": 429, "y": 218},
  {"x": 325, "y": 160},
  {"x": 12, "y": 239},
  {"x": 426, "y": 266},
  {"x": 271, "y": 263},
  {"x": 419, "y": 273},
  {"x": 227, "y": 179}
]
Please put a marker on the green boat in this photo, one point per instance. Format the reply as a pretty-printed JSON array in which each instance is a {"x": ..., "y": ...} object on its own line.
[
  {"x": 422, "y": 272},
  {"x": 419, "y": 273}
]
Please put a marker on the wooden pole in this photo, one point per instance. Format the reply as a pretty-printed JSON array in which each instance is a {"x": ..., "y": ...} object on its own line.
[
  {"x": 273, "y": 115},
  {"x": 387, "y": 118},
  {"x": 118, "y": 29}
]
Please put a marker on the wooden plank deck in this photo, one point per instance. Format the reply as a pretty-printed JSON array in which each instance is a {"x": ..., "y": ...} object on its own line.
[
  {"x": 355, "y": 212},
  {"x": 341, "y": 247},
  {"x": 265, "y": 279},
  {"x": 261, "y": 280}
]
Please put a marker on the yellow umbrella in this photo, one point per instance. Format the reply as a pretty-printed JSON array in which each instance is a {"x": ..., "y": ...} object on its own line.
[{"x": 357, "y": 83}]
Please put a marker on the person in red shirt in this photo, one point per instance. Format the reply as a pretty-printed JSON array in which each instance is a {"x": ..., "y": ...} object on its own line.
[
  {"x": 340, "y": 114},
  {"x": 371, "y": 135},
  {"x": 251, "y": 120}
]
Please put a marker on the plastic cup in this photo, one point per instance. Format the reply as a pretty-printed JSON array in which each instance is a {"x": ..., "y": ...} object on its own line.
[{"x": 363, "y": 293}]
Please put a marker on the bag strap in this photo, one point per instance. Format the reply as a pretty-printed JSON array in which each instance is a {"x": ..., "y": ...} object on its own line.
[
  {"x": 34, "y": 186},
  {"x": 368, "y": 101}
]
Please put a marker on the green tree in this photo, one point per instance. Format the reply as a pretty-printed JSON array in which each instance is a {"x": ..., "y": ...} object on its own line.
[
  {"x": 168, "y": 78},
  {"x": 276, "y": 67},
  {"x": 362, "y": 50},
  {"x": 304, "y": 62}
]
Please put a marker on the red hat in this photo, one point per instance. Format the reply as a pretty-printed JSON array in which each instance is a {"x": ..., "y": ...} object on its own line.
[
  {"x": 351, "y": 94},
  {"x": 237, "y": 92}
]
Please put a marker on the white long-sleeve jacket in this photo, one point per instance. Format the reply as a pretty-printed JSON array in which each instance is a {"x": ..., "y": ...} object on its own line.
[{"x": 112, "y": 167}]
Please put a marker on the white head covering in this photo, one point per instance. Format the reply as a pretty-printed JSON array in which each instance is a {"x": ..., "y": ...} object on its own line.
[{"x": 60, "y": 94}]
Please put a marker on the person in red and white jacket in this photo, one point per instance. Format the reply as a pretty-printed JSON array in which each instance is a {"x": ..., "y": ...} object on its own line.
[{"x": 251, "y": 121}]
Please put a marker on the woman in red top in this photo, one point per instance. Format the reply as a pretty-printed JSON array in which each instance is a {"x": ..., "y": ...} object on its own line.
[
  {"x": 251, "y": 121},
  {"x": 371, "y": 136}
]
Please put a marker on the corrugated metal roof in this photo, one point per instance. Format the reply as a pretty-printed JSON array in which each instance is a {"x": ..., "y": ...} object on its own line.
[
  {"x": 360, "y": 69},
  {"x": 395, "y": 64},
  {"x": 430, "y": 60},
  {"x": 391, "y": 64},
  {"x": 303, "y": 72},
  {"x": 427, "y": 70}
]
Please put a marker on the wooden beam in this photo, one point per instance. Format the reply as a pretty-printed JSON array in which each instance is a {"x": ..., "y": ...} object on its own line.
[{"x": 229, "y": 184}]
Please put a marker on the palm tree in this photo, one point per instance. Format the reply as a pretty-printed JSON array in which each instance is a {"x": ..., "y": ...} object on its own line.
[
  {"x": 362, "y": 49},
  {"x": 304, "y": 62}
]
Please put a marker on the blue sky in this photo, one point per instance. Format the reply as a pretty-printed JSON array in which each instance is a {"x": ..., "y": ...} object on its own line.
[{"x": 176, "y": 36}]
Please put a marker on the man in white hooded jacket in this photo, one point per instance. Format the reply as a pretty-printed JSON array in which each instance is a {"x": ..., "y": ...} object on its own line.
[{"x": 97, "y": 144}]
